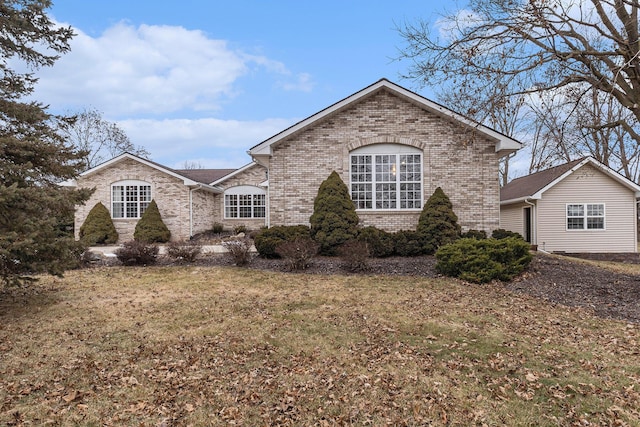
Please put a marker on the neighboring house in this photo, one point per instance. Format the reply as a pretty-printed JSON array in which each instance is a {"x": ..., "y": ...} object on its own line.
[
  {"x": 391, "y": 147},
  {"x": 580, "y": 206}
]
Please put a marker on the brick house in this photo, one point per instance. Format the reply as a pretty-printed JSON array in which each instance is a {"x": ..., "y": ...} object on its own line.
[{"x": 392, "y": 147}]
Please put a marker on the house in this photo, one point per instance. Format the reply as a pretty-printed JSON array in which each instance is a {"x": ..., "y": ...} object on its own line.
[
  {"x": 578, "y": 207},
  {"x": 391, "y": 146}
]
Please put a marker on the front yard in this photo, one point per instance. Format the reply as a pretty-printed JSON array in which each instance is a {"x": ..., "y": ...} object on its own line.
[{"x": 212, "y": 345}]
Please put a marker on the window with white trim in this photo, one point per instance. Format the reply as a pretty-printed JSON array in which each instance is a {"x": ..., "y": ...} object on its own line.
[
  {"x": 245, "y": 202},
  {"x": 129, "y": 199},
  {"x": 386, "y": 176},
  {"x": 585, "y": 216}
]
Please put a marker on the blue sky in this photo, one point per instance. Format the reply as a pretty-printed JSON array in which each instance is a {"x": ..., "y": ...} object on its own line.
[{"x": 203, "y": 81}]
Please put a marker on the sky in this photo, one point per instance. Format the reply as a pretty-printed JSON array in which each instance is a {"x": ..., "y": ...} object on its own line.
[{"x": 202, "y": 81}]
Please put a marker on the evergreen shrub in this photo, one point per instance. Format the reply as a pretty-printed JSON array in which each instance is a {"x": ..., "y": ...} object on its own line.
[
  {"x": 98, "y": 227},
  {"x": 438, "y": 224},
  {"x": 150, "y": 228},
  {"x": 268, "y": 239},
  {"x": 408, "y": 243},
  {"x": 334, "y": 220},
  {"x": 501, "y": 233},
  {"x": 379, "y": 242},
  {"x": 482, "y": 261},
  {"x": 474, "y": 234}
]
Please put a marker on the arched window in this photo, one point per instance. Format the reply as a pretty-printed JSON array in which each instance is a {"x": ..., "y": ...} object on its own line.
[
  {"x": 129, "y": 199},
  {"x": 245, "y": 201},
  {"x": 386, "y": 177}
]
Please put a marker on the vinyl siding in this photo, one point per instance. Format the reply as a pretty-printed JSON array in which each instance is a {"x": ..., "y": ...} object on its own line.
[{"x": 587, "y": 185}]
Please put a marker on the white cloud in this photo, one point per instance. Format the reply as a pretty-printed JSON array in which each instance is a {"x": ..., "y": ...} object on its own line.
[{"x": 212, "y": 143}]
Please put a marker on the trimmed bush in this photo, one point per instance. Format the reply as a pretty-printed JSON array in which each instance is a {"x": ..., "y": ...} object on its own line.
[
  {"x": 334, "y": 219},
  {"x": 354, "y": 255},
  {"x": 438, "y": 224},
  {"x": 268, "y": 239},
  {"x": 379, "y": 243},
  {"x": 482, "y": 261},
  {"x": 217, "y": 228},
  {"x": 98, "y": 227},
  {"x": 474, "y": 234},
  {"x": 408, "y": 243},
  {"x": 184, "y": 251},
  {"x": 150, "y": 228},
  {"x": 238, "y": 250},
  {"x": 137, "y": 253},
  {"x": 298, "y": 252},
  {"x": 501, "y": 233}
]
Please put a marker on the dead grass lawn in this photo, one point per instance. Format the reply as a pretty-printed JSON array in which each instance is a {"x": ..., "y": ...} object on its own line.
[{"x": 171, "y": 346}]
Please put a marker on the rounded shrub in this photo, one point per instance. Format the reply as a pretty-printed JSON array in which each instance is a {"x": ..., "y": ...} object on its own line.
[
  {"x": 334, "y": 220},
  {"x": 379, "y": 242},
  {"x": 98, "y": 227},
  {"x": 438, "y": 224},
  {"x": 501, "y": 233},
  {"x": 408, "y": 243},
  {"x": 474, "y": 234},
  {"x": 268, "y": 239},
  {"x": 150, "y": 228},
  {"x": 482, "y": 261}
]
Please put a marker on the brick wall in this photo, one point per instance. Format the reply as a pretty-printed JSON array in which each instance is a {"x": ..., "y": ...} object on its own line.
[{"x": 464, "y": 164}]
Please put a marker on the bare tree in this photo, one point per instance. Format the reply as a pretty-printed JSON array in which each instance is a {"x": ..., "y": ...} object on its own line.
[
  {"x": 524, "y": 47},
  {"x": 188, "y": 164},
  {"x": 89, "y": 132}
]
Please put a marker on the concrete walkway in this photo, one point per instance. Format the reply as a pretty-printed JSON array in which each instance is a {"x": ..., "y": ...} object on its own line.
[{"x": 110, "y": 251}]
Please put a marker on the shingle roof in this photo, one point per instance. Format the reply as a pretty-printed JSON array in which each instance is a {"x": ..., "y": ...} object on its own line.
[
  {"x": 204, "y": 176},
  {"x": 529, "y": 185}
]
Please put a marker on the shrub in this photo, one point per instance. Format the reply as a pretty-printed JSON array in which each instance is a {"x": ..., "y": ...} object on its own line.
[
  {"x": 98, "y": 227},
  {"x": 241, "y": 228},
  {"x": 184, "y": 251},
  {"x": 482, "y": 261},
  {"x": 408, "y": 243},
  {"x": 474, "y": 234},
  {"x": 239, "y": 250},
  {"x": 379, "y": 242},
  {"x": 217, "y": 228},
  {"x": 354, "y": 255},
  {"x": 501, "y": 233},
  {"x": 334, "y": 219},
  {"x": 438, "y": 224},
  {"x": 298, "y": 252},
  {"x": 268, "y": 239},
  {"x": 150, "y": 228},
  {"x": 137, "y": 253}
]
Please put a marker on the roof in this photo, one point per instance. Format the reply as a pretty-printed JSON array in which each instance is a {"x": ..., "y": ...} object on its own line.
[
  {"x": 534, "y": 185},
  {"x": 504, "y": 144},
  {"x": 205, "y": 176}
]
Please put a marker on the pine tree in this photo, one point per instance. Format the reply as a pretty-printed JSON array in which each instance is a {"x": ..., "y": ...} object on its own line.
[
  {"x": 438, "y": 224},
  {"x": 34, "y": 158},
  {"x": 334, "y": 220},
  {"x": 150, "y": 228},
  {"x": 98, "y": 227}
]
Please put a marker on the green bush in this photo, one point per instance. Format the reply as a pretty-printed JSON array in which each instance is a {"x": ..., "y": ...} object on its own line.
[
  {"x": 268, "y": 239},
  {"x": 482, "y": 261},
  {"x": 438, "y": 224},
  {"x": 98, "y": 227},
  {"x": 334, "y": 219},
  {"x": 150, "y": 228},
  {"x": 217, "y": 228},
  {"x": 474, "y": 234},
  {"x": 408, "y": 243},
  {"x": 501, "y": 233},
  {"x": 137, "y": 253},
  {"x": 379, "y": 242}
]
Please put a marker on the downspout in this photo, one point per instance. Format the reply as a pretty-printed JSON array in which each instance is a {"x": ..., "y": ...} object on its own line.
[{"x": 191, "y": 190}]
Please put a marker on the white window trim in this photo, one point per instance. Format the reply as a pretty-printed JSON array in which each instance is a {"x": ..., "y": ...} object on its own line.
[
  {"x": 585, "y": 217},
  {"x": 384, "y": 150},
  {"x": 245, "y": 190},
  {"x": 130, "y": 182}
]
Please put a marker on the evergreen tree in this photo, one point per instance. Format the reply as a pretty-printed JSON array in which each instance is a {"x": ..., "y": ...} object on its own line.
[
  {"x": 98, "y": 227},
  {"x": 150, "y": 228},
  {"x": 34, "y": 158},
  {"x": 438, "y": 224},
  {"x": 334, "y": 220}
]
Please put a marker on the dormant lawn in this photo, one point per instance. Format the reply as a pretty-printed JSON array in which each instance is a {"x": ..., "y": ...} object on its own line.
[{"x": 180, "y": 346}]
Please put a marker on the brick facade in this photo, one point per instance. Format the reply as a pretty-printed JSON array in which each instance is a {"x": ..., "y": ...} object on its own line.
[
  {"x": 465, "y": 168},
  {"x": 253, "y": 175}
]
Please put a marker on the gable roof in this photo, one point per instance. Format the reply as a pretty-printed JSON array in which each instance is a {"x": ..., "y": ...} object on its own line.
[
  {"x": 534, "y": 185},
  {"x": 504, "y": 143},
  {"x": 200, "y": 178}
]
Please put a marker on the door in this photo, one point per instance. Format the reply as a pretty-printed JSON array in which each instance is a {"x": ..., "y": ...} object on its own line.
[{"x": 527, "y": 224}]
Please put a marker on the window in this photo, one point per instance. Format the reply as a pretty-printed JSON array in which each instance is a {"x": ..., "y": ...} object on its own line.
[
  {"x": 245, "y": 202},
  {"x": 386, "y": 180},
  {"x": 585, "y": 216},
  {"x": 129, "y": 199}
]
